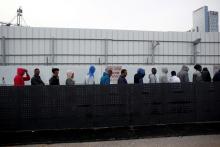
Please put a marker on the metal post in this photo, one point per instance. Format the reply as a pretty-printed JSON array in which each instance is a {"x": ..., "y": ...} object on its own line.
[
  {"x": 53, "y": 50},
  {"x": 152, "y": 53},
  {"x": 106, "y": 52},
  {"x": 3, "y": 50},
  {"x": 195, "y": 43},
  {"x": 154, "y": 45},
  {"x": 194, "y": 54}
]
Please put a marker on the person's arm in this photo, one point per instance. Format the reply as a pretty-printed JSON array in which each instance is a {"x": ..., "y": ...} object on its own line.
[
  {"x": 187, "y": 78},
  {"x": 27, "y": 77},
  {"x": 42, "y": 82},
  {"x": 107, "y": 81},
  {"x": 194, "y": 78}
]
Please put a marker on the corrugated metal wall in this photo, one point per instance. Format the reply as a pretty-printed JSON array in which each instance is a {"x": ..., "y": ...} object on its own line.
[{"x": 45, "y": 46}]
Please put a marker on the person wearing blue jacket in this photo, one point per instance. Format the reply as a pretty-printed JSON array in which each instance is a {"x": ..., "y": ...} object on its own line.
[
  {"x": 138, "y": 77},
  {"x": 105, "y": 79}
]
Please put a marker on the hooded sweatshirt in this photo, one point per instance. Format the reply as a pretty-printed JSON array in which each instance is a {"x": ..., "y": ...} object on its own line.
[
  {"x": 105, "y": 80},
  {"x": 163, "y": 77},
  {"x": 138, "y": 77},
  {"x": 90, "y": 78},
  {"x": 19, "y": 78},
  {"x": 216, "y": 77},
  {"x": 206, "y": 76},
  {"x": 183, "y": 74},
  {"x": 69, "y": 80}
]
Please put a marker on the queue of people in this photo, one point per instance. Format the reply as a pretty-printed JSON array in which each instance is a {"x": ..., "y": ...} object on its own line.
[{"x": 200, "y": 75}]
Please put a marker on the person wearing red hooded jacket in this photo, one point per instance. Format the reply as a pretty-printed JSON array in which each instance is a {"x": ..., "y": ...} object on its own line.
[{"x": 20, "y": 78}]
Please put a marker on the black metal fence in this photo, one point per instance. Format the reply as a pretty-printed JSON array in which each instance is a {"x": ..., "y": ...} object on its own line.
[{"x": 93, "y": 106}]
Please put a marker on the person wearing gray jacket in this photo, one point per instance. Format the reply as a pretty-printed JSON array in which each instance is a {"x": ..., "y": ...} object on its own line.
[
  {"x": 183, "y": 74},
  {"x": 163, "y": 77},
  {"x": 70, "y": 76},
  {"x": 197, "y": 75}
]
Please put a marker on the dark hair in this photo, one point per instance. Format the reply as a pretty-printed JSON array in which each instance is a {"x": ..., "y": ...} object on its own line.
[
  {"x": 109, "y": 71},
  {"x": 55, "y": 69},
  {"x": 198, "y": 67},
  {"x": 154, "y": 70},
  {"x": 123, "y": 71},
  {"x": 173, "y": 73},
  {"x": 36, "y": 69},
  {"x": 205, "y": 69}
]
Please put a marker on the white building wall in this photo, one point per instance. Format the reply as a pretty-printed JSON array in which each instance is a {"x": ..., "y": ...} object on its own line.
[
  {"x": 25, "y": 45},
  {"x": 78, "y": 48}
]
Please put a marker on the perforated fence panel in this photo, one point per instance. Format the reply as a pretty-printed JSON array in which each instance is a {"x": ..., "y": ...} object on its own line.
[{"x": 95, "y": 106}]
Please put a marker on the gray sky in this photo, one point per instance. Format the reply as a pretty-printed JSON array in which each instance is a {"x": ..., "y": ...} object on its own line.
[{"x": 152, "y": 15}]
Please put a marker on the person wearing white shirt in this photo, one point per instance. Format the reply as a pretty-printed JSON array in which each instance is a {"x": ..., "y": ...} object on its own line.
[
  {"x": 152, "y": 77},
  {"x": 174, "y": 78}
]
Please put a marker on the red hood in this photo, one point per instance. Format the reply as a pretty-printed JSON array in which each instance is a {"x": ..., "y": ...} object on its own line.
[{"x": 20, "y": 71}]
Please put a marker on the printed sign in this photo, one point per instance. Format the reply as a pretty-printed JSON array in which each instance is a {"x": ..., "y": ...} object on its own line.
[{"x": 116, "y": 72}]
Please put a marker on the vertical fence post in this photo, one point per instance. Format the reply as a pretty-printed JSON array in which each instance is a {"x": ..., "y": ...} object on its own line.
[
  {"x": 3, "y": 50},
  {"x": 106, "y": 52},
  {"x": 53, "y": 50}
]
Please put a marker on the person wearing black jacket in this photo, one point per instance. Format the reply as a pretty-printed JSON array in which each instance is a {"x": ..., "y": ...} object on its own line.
[
  {"x": 216, "y": 77},
  {"x": 54, "y": 80},
  {"x": 206, "y": 75},
  {"x": 122, "y": 80},
  {"x": 36, "y": 79}
]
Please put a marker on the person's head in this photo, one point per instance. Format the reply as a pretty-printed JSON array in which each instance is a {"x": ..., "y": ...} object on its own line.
[
  {"x": 21, "y": 71},
  {"x": 55, "y": 71},
  {"x": 173, "y": 73},
  {"x": 141, "y": 72},
  {"x": 198, "y": 67},
  {"x": 164, "y": 70},
  {"x": 36, "y": 72},
  {"x": 185, "y": 68},
  {"x": 154, "y": 71},
  {"x": 205, "y": 69},
  {"x": 70, "y": 74},
  {"x": 124, "y": 72},
  {"x": 91, "y": 70},
  {"x": 110, "y": 72}
]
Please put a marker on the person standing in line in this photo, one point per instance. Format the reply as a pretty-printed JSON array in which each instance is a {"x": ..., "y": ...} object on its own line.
[
  {"x": 174, "y": 78},
  {"x": 54, "y": 80},
  {"x": 216, "y": 77},
  {"x": 138, "y": 77},
  {"x": 90, "y": 77},
  {"x": 152, "y": 77},
  {"x": 163, "y": 77},
  {"x": 3, "y": 81},
  {"x": 36, "y": 79},
  {"x": 206, "y": 77},
  {"x": 122, "y": 78},
  {"x": 70, "y": 76},
  {"x": 197, "y": 75},
  {"x": 105, "y": 79},
  {"x": 19, "y": 79},
  {"x": 183, "y": 74}
]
